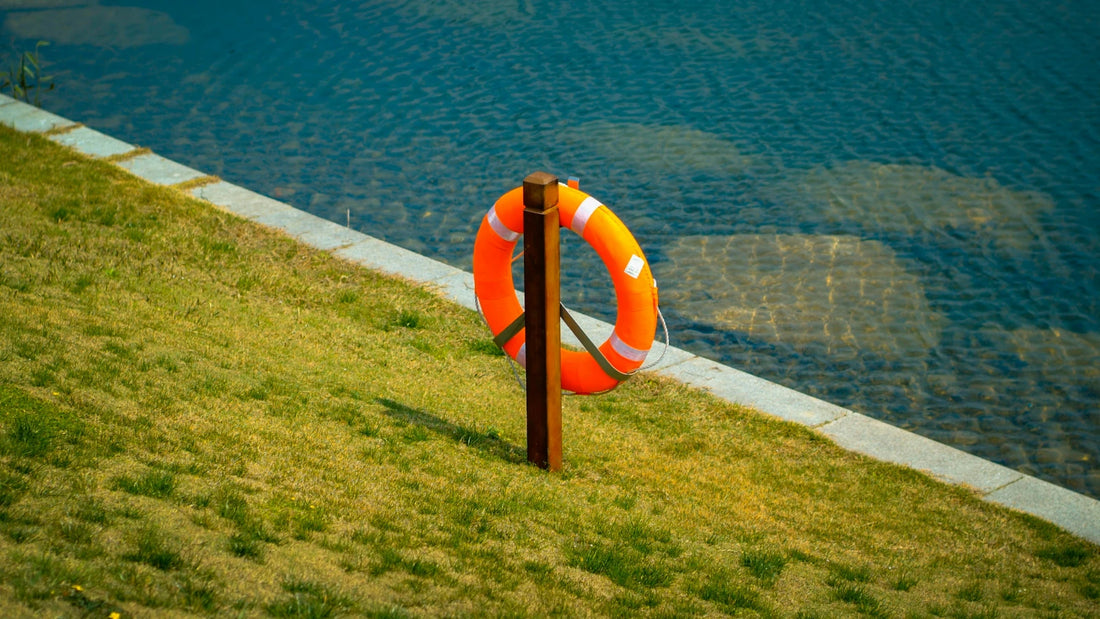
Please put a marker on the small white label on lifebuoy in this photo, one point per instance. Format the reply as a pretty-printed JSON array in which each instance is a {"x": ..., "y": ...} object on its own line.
[{"x": 634, "y": 267}]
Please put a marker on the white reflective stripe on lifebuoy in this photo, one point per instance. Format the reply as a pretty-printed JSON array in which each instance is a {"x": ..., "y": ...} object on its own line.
[
  {"x": 626, "y": 350},
  {"x": 584, "y": 211},
  {"x": 498, "y": 226},
  {"x": 521, "y": 356}
]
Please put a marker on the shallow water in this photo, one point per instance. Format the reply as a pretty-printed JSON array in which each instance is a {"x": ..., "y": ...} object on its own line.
[{"x": 889, "y": 205}]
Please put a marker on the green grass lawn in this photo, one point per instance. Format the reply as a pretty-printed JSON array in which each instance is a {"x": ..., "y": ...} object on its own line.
[{"x": 201, "y": 416}]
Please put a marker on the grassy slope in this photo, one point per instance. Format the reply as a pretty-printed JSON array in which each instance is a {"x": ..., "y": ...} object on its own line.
[{"x": 198, "y": 415}]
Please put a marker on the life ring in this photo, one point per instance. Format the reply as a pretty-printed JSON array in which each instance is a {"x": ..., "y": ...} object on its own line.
[{"x": 635, "y": 289}]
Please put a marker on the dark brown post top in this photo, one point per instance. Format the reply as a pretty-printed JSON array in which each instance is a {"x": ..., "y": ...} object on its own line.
[{"x": 540, "y": 191}]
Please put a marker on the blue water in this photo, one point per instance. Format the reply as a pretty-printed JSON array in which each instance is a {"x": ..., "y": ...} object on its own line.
[{"x": 689, "y": 119}]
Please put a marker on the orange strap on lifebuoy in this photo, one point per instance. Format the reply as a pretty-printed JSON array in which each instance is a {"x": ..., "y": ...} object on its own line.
[{"x": 635, "y": 290}]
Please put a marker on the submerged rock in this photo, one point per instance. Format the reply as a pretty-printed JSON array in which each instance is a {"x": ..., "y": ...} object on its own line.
[
  {"x": 1064, "y": 356},
  {"x": 103, "y": 26},
  {"x": 838, "y": 293},
  {"x": 660, "y": 147},
  {"x": 909, "y": 199}
]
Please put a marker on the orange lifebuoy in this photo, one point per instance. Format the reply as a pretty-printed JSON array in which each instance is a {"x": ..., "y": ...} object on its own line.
[{"x": 635, "y": 289}]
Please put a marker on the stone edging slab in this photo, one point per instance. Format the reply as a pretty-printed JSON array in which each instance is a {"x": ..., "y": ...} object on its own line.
[{"x": 1074, "y": 512}]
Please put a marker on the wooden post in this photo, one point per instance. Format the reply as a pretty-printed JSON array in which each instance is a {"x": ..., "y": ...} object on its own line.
[{"x": 542, "y": 293}]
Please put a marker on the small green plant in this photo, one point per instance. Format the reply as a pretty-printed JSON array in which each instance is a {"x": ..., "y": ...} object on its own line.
[
  {"x": 29, "y": 436},
  {"x": 728, "y": 593},
  {"x": 153, "y": 549},
  {"x": 308, "y": 599},
  {"x": 971, "y": 593},
  {"x": 622, "y": 566},
  {"x": 32, "y": 428},
  {"x": 763, "y": 564},
  {"x": 840, "y": 572},
  {"x": 388, "y": 559},
  {"x": 154, "y": 483},
  {"x": 857, "y": 595},
  {"x": 92, "y": 511},
  {"x": 904, "y": 582},
  {"x": 1090, "y": 591},
  {"x": 76, "y": 532},
  {"x": 407, "y": 319},
  {"x": 538, "y": 568},
  {"x": 199, "y": 593},
  {"x": 251, "y": 532},
  {"x": 311, "y": 519},
  {"x": 245, "y": 545},
  {"x": 25, "y": 76},
  {"x": 12, "y": 488},
  {"x": 416, "y": 434},
  {"x": 230, "y": 505},
  {"x": 1066, "y": 556},
  {"x": 625, "y": 502},
  {"x": 485, "y": 346}
]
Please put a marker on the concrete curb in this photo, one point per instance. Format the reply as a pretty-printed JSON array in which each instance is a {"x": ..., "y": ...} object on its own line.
[
  {"x": 157, "y": 169},
  {"x": 91, "y": 142},
  {"x": 1074, "y": 512}
]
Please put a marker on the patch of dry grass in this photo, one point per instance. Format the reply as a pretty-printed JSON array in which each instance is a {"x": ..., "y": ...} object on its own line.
[{"x": 198, "y": 415}]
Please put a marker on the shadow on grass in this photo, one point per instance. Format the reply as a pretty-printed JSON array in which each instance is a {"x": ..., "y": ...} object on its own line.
[{"x": 487, "y": 442}]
